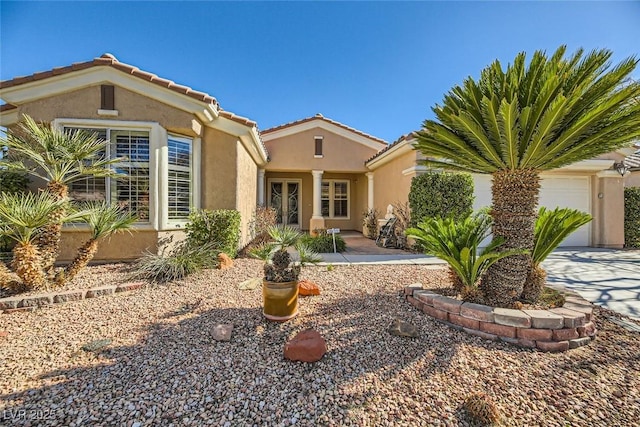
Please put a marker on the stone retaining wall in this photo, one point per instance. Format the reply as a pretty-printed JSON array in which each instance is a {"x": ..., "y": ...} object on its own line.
[
  {"x": 28, "y": 303},
  {"x": 557, "y": 329}
]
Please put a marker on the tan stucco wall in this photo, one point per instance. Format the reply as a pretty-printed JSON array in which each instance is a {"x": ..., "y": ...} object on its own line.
[
  {"x": 218, "y": 170},
  {"x": 632, "y": 179},
  {"x": 390, "y": 185},
  {"x": 84, "y": 104},
  {"x": 296, "y": 153},
  {"x": 247, "y": 191},
  {"x": 123, "y": 246},
  {"x": 357, "y": 197},
  {"x": 608, "y": 211}
]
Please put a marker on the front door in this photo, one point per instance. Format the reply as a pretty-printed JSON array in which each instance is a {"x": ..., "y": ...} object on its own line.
[{"x": 284, "y": 196}]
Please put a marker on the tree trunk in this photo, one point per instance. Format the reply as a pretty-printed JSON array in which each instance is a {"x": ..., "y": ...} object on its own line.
[
  {"x": 515, "y": 199},
  {"x": 533, "y": 286},
  {"x": 49, "y": 240},
  {"x": 26, "y": 264},
  {"x": 84, "y": 256}
]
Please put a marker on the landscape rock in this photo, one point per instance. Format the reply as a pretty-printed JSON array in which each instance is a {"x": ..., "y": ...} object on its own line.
[
  {"x": 225, "y": 261},
  {"x": 96, "y": 345},
  {"x": 222, "y": 332},
  {"x": 250, "y": 284},
  {"x": 401, "y": 328},
  {"x": 307, "y": 288},
  {"x": 307, "y": 346}
]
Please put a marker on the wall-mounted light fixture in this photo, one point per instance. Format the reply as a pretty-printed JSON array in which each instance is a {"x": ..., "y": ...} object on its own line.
[{"x": 621, "y": 168}]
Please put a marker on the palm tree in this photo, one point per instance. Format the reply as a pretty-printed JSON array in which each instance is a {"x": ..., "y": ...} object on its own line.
[
  {"x": 104, "y": 221},
  {"x": 22, "y": 217},
  {"x": 518, "y": 122},
  {"x": 59, "y": 158}
]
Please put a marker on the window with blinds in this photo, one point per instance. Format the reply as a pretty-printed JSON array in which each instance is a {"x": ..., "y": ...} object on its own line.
[
  {"x": 130, "y": 191},
  {"x": 179, "y": 179},
  {"x": 334, "y": 199}
]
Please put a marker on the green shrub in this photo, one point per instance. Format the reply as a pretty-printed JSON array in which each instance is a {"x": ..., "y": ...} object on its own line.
[
  {"x": 632, "y": 217},
  {"x": 177, "y": 263},
  {"x": 441, "y": 195},
  {"x": 220, "y": 228},
  {"x": 13, "y": 182},
  {"x": 323, "y": 242}
]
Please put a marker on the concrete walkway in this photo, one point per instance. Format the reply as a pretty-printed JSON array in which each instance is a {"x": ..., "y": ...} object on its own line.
[{"x": 606, "y": 277}]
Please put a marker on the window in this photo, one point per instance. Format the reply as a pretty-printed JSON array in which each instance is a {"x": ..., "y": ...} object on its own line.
[
  {"x": 131, "y": 190},
  {"x": 107, "y": 98},
  {"x": 318, "y": 146},
  {"x": 179, "y": 180},
  {"x": 335, "y": 199}
]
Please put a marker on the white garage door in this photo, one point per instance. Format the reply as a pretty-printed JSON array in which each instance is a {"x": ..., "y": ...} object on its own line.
[{"x": 570, "y": 191}]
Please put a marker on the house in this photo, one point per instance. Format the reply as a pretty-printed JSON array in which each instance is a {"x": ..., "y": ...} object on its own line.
[{"x": 184, "y": 151}]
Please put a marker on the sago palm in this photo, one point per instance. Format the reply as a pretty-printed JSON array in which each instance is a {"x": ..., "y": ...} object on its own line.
[
  {"x": 457, "y": 243},
  {"x": 529, "y": 118},
  {"x": 59, "y": 158},
  {"x": 104, "y": 221},
  {"x": 552, "y": 227},
  {"x": 22, "y": 217}
]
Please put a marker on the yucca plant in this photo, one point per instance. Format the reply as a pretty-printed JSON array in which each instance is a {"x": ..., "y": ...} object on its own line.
[
  {"x": 457, "y": 243},
  {"x": 278, "y": 266},
  {"x": 104, "y": 221},
  {"x": 59, "y": 158},
  {"x": 22, "y": 218},
  {"x": 533, "y": 116},
  {"x": 184, "y": 259},
  {"x": 552, "y": 227}
]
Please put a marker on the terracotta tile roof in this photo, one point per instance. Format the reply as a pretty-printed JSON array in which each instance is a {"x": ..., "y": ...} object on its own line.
[
  {"x": 321, "y": 117},
  {"x": 7, "y": 107},
  {"x": 238, "y": 119},
  {"x": 403, "y": 138},
  {"x": 110, "y": 61}
]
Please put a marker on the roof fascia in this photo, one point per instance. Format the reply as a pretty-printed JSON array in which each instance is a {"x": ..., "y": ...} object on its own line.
[
  {"x": 391, "y": 154},
  {"x": 319, "y": 123},
  {"x": 248, "y": 136}
]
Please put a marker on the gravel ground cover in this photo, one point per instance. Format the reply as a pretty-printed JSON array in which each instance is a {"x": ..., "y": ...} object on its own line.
[{"x": 163, "y": 368}]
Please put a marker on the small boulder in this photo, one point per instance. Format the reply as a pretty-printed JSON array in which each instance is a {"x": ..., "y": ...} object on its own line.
[
  {"x": 307, "y": 346},
  {"x": 96, "y": 345},
  {"x": 250, "y": 284},
  {"x": 225, "y": 261},
  {"x": 222, "y": 332},
  {"x": 4, "y": 334},
  {"x": 402, "y": 329},
  {"x": 307, "y": 288}
]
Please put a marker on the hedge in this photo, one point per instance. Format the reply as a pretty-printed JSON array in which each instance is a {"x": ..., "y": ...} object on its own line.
[
  {"x": 323, "y": 243},
  {"x": 440, "y": 195},
  {"x": 13, "y": 182},
  {"x": 221, "y": 227},
  {"x": 632, "y": 217}
]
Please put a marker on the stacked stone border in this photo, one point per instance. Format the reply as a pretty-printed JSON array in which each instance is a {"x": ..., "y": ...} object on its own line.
[
  {"x": 29, "y": 303},
  {"x": 556, "y": 329}
]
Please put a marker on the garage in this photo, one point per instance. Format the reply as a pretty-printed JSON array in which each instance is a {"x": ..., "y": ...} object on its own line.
[{"x": 563, "y": 191}]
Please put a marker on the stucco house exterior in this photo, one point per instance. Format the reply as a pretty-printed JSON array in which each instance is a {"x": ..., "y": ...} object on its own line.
[{"x": 185, "y": 152}]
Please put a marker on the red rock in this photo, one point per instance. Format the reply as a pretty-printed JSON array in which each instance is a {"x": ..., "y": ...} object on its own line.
[
  {"x": 4, "y": 334},
  {"x": 307, "y": 346},
  {"x": 307, "y": 288},
  {"x": 225, "y": 261}
]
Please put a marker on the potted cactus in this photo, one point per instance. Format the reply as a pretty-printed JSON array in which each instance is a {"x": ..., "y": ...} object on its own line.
[{"x": 281, "y": 274}]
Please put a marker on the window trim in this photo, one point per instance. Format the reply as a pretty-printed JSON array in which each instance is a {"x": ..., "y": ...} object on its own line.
[
  {"x": 318, "y": 143},
  {"x": 332, "y": 199}
]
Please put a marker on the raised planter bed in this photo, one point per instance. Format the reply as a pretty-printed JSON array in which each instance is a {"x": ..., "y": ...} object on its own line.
[
  {"x": 31, "y": 302},
  {"x": 556, "y": 329}
]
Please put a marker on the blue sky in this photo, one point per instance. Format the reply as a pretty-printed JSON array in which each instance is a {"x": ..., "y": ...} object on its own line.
[{"x": 376, "y": 66}]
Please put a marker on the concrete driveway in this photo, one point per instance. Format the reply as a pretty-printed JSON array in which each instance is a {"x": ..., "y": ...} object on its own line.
[{"x": 606, "y": 277}]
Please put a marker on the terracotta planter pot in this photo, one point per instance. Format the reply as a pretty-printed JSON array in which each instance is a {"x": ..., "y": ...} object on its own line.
[{"x": 280, "y": 300}]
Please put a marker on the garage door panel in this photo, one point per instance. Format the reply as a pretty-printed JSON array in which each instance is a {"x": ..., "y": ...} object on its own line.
[{"x": 555, "y": 191}]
